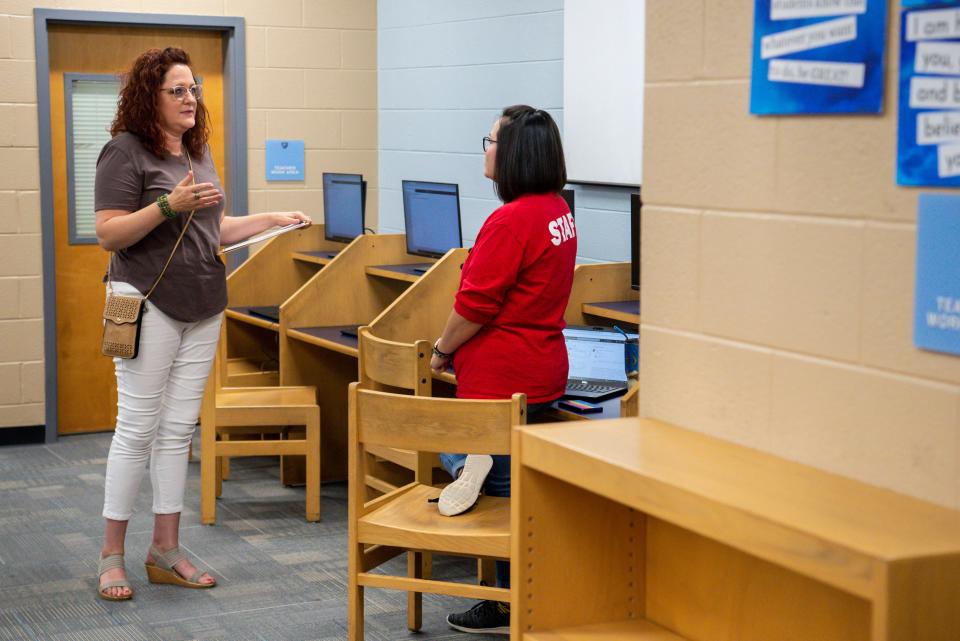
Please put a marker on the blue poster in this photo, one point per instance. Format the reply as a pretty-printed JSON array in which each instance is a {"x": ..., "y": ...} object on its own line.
[
  {"x": 928, "y": 133},
  {"x": 284, "y": 160},
  {"x": 818, "y": 56},
  {"x": 936, "y": 323}
]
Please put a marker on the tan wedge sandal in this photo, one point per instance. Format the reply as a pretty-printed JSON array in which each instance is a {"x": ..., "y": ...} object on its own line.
[
  {"x": 161, "y": 570},
  {"x": 107, "y": 563}
]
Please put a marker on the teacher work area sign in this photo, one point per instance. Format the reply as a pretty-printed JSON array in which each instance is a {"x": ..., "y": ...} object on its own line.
[
  {"x": 936, "y": 323},
  {"x": 284, "y": 160},
  {"x": 928, "y": 137},
  {"x": 818, "y": 56}
]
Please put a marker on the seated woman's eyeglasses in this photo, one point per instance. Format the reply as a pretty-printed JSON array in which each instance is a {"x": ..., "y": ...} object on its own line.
[
  {"x": 487, "y": 141},
  {"x": 180, "y": 92}
]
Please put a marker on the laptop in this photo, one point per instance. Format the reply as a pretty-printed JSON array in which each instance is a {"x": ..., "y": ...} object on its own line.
[{"x": 597, "y": 370}]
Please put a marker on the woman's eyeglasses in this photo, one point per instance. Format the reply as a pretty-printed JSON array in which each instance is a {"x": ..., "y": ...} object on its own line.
[
  {"x": 180, "y": 92},
  {"x": 487, "y": 141}
]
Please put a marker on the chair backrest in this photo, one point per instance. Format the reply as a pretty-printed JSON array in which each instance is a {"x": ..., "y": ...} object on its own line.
[
  {"x": 389, "y": 365},
  {"x": 447, "y": 424}
]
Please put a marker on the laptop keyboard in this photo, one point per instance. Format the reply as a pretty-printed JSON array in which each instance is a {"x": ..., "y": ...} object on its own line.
[{"x": 584, "y": 386}]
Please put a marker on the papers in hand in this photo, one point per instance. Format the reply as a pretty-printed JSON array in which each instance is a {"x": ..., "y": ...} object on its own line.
[{"x": 276, "y": 231}]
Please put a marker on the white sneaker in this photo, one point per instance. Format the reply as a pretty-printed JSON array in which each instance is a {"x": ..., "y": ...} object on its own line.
[{"x": 459, "y": 496}]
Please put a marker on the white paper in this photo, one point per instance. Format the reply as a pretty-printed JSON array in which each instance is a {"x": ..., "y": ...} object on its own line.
[
  {"x": 938, "y": 58},
  {"x": 791, "y": 9},
  {"x": 948, "y": 161},
  {"x": 816, "y": 72},
  {"x": 817, "y": 35},
  {"x": 941, "y": 24},
  {"x": 934, "y": 93},
  {"x": 936, "y": 127},
  {"x": 276, "y": 231}
]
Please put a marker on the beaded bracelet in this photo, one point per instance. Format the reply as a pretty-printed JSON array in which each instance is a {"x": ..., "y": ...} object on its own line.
[{"x": 164, "y": 204}]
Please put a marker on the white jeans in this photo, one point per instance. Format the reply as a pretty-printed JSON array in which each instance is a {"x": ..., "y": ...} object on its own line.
[{"x": 158, "y": 401}]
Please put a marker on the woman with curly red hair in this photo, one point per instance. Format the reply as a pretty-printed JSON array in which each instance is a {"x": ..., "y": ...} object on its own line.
[{"x": 155, "y": 170}]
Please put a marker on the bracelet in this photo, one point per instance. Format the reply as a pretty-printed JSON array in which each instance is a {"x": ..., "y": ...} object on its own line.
[
  {"x": 164, "y": 204},
  {"x": 438, "y": 353}
]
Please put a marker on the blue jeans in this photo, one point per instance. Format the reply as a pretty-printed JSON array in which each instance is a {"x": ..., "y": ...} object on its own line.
[{"x": 496, "y": 484}]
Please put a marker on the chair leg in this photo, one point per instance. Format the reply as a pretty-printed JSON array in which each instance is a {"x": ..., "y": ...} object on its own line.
[
  {"x": 313, "y": 466},
  {"x": 221, "y": 461},
  {"x": 208, "y": 473},
  {"x": 487, "y": 571},
  {"x": 224, "y": 463},
  {"x": 355, "y": 598},
  {"x": 415, "y": 570}
]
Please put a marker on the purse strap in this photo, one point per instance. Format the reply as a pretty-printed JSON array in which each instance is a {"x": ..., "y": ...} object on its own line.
[{"x": 175, "y": 247}]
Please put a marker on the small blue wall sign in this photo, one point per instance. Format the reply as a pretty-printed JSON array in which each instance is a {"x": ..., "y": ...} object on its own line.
[
  {"x": 936, "y": 323},
  {"x": 284, "y": 160},
  {"x": 818, "y": 56}
]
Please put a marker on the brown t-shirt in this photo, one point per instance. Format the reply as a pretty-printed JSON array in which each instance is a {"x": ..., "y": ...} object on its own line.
[{"x": 129, "y": 177}]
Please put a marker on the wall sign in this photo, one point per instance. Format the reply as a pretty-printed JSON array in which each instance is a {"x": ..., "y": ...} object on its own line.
[
  {"x": 818, "y": 56},
  {"x": 928, "y": 137},
  {"x": 936, "y": 323},
  {"x": 284, "y": 160}
]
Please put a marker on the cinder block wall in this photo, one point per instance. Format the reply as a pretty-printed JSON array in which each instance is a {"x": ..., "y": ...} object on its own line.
[
  {"x": 778, "y": 266},
  {"x": 311, "y": 75}
]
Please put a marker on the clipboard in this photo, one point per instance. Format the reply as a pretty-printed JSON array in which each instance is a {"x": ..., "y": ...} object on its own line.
[{"x": 276, "y": 231}]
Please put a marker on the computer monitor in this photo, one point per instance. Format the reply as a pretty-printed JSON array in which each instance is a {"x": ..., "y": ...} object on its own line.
[
  {"x": 344, "y": 203},
  {"x": 431, "y": 212},
  {"x": 569, "y": 196},
  {"x": 635, "y": 205}
]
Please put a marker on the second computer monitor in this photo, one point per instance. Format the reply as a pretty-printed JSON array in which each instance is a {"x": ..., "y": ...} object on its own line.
[
  {"x": 431, "y": 213},
  {"x": 344, "y": 202}
]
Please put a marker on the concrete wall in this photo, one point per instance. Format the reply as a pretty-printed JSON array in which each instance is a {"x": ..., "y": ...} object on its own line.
[
  {"x": 311, "y": 74},
  {"x": 778, "y": 266},
  {"x": 446, "y": 70}
]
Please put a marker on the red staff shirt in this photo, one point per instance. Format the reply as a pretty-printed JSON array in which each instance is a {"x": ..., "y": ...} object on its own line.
[{"x": 516, "y": 283}]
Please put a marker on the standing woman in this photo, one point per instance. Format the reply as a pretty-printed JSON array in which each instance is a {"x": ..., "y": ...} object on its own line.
[
  {"x": 505, "y": 333},
  {"x": 153, "y": 172}
]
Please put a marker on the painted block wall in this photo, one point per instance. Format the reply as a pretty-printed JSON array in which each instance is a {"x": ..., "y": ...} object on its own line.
[
  {"x": 446, "y": 70},
  {"x": 778, "y": 267},
  {"x": 311, "y": 74}
]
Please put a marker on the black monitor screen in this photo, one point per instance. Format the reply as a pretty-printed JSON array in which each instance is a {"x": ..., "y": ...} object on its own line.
[
  {"x": 635, "y": 205},
  {"x": 431, "y": 212},
  {"x": 344, "y": 200},
  {"x": 568, "y": 195}
]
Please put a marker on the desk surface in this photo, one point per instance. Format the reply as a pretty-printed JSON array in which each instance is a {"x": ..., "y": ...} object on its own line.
[
  {"x": 627, "y": 311},
  {"x": 318, "y": 256},
  {"x": 664, "y": 470},
  {"x": 242, "y": 313},
  {"x": 330, "y": 337},
  {"x": 410, "y": 272}
]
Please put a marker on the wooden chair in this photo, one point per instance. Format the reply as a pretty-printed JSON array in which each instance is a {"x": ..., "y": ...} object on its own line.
[
  {"x": 244, "y": 415},
  {"x": 402, "y": 520}
]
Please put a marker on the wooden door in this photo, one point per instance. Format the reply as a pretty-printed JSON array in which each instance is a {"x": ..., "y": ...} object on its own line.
[{"x": 86, "y": 386}]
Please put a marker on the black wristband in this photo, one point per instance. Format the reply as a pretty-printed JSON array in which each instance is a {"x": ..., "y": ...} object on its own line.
[{"x": 437, "y": 352}]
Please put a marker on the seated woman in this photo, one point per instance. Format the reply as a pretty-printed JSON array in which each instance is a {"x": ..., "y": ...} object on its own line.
[{"x": 505, "y": 333}]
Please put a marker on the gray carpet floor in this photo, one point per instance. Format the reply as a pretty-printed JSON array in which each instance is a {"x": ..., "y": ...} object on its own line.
[{"x": 280, "y": 578}]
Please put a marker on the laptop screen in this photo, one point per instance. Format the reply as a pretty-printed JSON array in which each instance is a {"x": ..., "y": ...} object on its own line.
[{"x": 595, "y": 354}]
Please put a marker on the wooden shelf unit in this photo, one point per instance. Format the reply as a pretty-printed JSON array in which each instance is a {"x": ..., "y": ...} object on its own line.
[
  {"x": 312, "y": 352},
  {"x": 394, "y": 272},
  {"x": 617, "y": 524},
  {"x": 597, "y": 282},
  {"x": 317, "y": 257},
  {"x": 621, "y": 311},
  {"x": 268, "y": 277}
]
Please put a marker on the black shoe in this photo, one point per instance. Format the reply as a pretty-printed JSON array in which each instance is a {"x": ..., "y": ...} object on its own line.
[{"x": 486, "y": 617}]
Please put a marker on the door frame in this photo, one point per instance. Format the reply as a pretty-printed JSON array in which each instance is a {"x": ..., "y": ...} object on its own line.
[{"x": 235, "y": 115}]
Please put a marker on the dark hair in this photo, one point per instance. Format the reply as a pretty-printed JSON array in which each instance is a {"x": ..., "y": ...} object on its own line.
[
  {"x": 137, "y": 109},
  {"x": 529, "y": 157}
]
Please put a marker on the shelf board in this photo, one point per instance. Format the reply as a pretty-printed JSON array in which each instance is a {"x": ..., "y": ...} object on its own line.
[
  {"x": 328, "y": 337},
  {"x": 625, "y": 311},
  {"x": 318, "y": 257},
  {"x": 241, "y": 314},
  {"x": 635, "y": 630},
  {"x": 402, "y": 272}
]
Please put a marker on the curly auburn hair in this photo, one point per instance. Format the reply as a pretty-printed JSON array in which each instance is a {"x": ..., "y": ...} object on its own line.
[{"x": 137, "y": 108}]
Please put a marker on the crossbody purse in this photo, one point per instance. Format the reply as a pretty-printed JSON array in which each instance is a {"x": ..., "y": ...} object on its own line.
[{"x": 123, "y": 315}]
